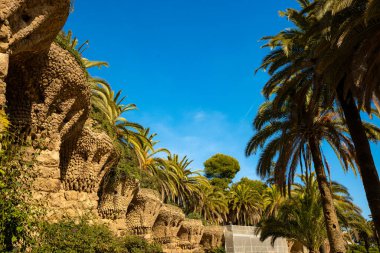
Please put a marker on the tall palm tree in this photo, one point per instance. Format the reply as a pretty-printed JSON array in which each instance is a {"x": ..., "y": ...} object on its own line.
[
  {"x": 189, "y": 183},
  {"x": 293, "y": 134},
  {"x": 245, "y": 205},
  {"x": 336, "y": 42},
  {"x": 272, "y": 200},
  {"x": 347, "y": 59},
  {"x": 212, "y": 205},
  {"x": 301, "y": 216}
]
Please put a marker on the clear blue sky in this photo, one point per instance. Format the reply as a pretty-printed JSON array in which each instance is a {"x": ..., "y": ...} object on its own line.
[{"x": 189, "y": 66}]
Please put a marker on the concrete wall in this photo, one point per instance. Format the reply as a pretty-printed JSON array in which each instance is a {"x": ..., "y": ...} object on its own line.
[{"x": 242, "y": 239}]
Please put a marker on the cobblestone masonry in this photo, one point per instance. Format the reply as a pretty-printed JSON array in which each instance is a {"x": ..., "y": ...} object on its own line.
[
  {"x": 212, "y": 237},
  {"x": 47, "y": 95},
  {"x": 190, "y": 234},
  {"x": 27, "y": 27},
  {"x": 142, "y": 212},
  {"x": 115, "y": 200}
]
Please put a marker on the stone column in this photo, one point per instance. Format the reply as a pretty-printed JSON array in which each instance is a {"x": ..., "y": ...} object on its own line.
[{"x": 4, "y": 59}]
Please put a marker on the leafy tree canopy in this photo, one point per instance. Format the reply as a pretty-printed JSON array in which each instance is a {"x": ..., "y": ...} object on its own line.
[
  {"x": 222, "y": 167},
  {"x": 257, "y": 185}
]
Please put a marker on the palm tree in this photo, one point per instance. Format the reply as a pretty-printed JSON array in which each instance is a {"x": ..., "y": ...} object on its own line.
[
  {"x": 189, "y": 183},
  {"x": 347, "y": 56},
  {"x": 293, "y": 134},
  {"x": 299, "y": 218},
  {"x": 245, "y": 205},
  {"x": 272, "y": 200},
  {"x": 335, "y": 41},
  {"x": 306, "y": 52},
  {"x": 212, "y": 205},
  {"x": 70, "y": 43}
]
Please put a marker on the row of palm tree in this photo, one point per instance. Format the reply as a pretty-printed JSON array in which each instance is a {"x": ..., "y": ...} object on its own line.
[
  {"x": 158, "y": 168},
  {"x": 301, "y": 218},
  {"x": 322, "y": 74}
]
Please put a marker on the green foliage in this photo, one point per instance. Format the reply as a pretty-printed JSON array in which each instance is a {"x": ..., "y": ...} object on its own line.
[
  {"x": 70, "y": 237},
  {"x": 17, "y": 215},
  {"x": 220, "y": 183},
  {"x": 213, "y": 205},
  {"x": 4, "y": 123},
  {"x": 301, "y": 217},
  {"x": 135, "y": 244},
  {"x": 217, "y": 250},
  {"x": 193, "y": 215},
  {"x": 101, "y": 123},
  {"x": 221, "y": 169},
  {"x": 70, "y": 43},
  {"x": 357, "y": 248},
  {"x": 257, "y": 185},
  {"x": 245, "y": 205}
]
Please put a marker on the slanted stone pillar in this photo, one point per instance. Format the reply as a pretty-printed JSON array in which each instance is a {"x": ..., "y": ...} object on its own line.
[{"x": 4, "y": 59}]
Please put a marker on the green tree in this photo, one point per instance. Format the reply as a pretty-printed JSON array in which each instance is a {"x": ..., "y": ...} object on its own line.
[
  {"x": 293, "y": 134},
  {"x": 221, "y": 169},
  {"x": 301, "y": 216},
  {"x": 17, "y": 216},
  {"x": 245, "y": 205},
  {"x": 346, "y": 61},
  {"x": 189, "y": 183},
  {"x": 212, "y": 205},
  {"x": 257, "y": 185},
  {"x": 332, "y": 43},
  {"x": 272, "y": 200}
]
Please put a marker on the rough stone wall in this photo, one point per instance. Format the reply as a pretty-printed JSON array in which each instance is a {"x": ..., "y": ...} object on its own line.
[
  {"x": 27, "y": 27},
  {"x": 142, "y": 212},
  {"x": 212, "y": 237},
  {"x": 47, "y": 96},
  {"x": 114, "y": 201},
  {"x": 190, "y": 234},
  {"x": 86, "y": 160},
  {"x": 168, "y": 223}
]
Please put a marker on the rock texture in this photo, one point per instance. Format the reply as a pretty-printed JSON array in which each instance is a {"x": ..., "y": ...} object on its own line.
[
  {"x": 168, "y": 223},
  {"x": 27, "y": 28},
  {"x": 212, "y": 237},
  {"x": 115, "y": 200},
  {"x": 142, "y": 212},
  {"x": 190, "y": 234},
  {"x": 166, "y": 227},
  {"x": 85, "y": 161},
  {"x": 47, "y": 96}
]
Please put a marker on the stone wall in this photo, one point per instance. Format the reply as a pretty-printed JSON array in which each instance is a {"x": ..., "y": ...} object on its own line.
[
  {"x": 47, "y": 96},
  {"x": 142, "y": 212},
  {"x": 213, "y": 237},
  {"x": 190, "y": 234}
]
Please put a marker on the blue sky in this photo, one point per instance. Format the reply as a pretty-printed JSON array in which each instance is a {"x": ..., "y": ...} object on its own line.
[{"x": 189, "y": 66}]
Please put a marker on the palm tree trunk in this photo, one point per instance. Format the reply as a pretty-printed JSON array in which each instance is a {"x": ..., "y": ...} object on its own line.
[
  {"x": 334, "y": 234},
  {"x": 364, "y": 157}
]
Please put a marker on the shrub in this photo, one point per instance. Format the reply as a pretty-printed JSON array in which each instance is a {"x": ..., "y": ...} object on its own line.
[
  {"x": 218, "y": 250},
  {"x": 135, "y": 244},
  {"x": 16, "y": 176},
  {"x": 69, "y": 237}
]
